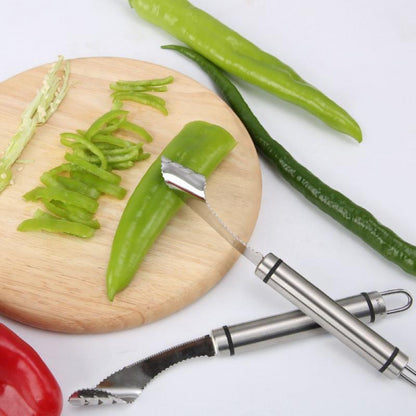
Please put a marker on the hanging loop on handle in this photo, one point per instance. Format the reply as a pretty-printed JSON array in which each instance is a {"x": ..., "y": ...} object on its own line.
[{"x": 398, "y": 292}]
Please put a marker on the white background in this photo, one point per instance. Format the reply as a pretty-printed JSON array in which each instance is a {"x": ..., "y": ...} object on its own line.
[{"x": 362, "y": 55}]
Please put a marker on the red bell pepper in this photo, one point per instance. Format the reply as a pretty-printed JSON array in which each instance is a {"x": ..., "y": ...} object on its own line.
[{"x": 27, "y": 387}]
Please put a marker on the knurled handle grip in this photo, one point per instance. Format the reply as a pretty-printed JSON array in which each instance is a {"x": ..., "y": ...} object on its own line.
[{"x": 383, "y": 355}]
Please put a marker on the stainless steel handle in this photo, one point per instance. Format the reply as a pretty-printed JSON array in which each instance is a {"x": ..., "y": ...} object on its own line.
[
  {"x": 277, "y": 328},
  {"x": 383, "y": 355}
]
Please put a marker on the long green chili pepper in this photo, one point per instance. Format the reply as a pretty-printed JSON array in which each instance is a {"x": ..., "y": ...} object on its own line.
[
  {"x": 235, "y": 54},
  {"x": 353, "y": 217},
  {"x": 45, "y": 222},
  {"x": 200, "y": 146}
]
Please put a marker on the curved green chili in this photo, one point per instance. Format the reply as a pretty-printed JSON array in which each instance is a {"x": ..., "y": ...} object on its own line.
[
  {"x": 346, "y": 212},
  {"x": 235, "y": 54},
  {"x": 200, "y": 146}
]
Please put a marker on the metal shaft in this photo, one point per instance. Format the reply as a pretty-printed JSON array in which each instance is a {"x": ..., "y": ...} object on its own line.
[
  {"x": 277, "y": 328},
  {"x": 387, "y": 358}
]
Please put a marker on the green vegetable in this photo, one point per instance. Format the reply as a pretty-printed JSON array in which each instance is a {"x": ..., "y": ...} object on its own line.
[
  {"x": 238, "y": 56},
  {"x": 45, "y": 222},
  {"x": 52, "y": 193},
  {"x": 142, "y": 98},
  {"x": 45, "y": 103},
  {"x": 200, "y": 146},
  {"x": 95, "y": 170},
  {"x": 353, "y": 217},
  {"x": 99, "y": 184}
]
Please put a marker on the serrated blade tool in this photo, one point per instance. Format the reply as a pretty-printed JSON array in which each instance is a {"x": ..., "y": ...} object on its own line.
[
  {"x": 379, "y": 352},
  {"x": 126, "y": 385}
]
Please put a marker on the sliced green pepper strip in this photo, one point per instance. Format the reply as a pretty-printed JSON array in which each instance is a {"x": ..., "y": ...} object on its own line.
[
  {"x": 352, "y": 216},
  {"x": 100, "y": 184},
  {"x": 61, "y": 194},
  {"x": 68, "y": 139},
  {"x": 134, "y": 128},
  {"x": 146, "y": 82},
  {"x": 142, "y": 98},
  {"x": 130, "y": 153},
  {"x": 122, "y": 150},
  {"x": 138, "y": 88},
  {"x": 122, "y": 165},
  {"x": 46, "y": 222},
  {"x": 200, "y": 146},
  {"x": 103, "y": 121},
  {"x": 101, "y": 173},
  {"x": 238, "y": 56},
  {"x": 75, "y": 211},
  {"x": 63, "y": 212},
  {"x": 113, "y": 125},
  {"x": 109, "y": 139},
  {"x": 77, "y": 186}
]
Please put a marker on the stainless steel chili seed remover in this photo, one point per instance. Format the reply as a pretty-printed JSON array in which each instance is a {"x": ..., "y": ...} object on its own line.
[
  {"x": 125, "y": 385},
  {"x": 383, "y": 355}
]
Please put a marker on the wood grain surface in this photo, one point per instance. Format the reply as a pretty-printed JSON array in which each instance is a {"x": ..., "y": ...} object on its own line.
[{"x": 57, "y": 282}]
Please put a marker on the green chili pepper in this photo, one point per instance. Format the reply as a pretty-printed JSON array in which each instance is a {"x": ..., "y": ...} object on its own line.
[
  {"x": 142, "y": 98},
  {"x": 122, "y": 165},
  {"x": 238, "y": 56},
  {"x": 200, "y": 146},
  {"x": 77, "y": 186},
  {"x": 346, "y": 212},
  {"x": 68, "y": 139},
  {"x": 68, "y": 214},
  {"x": 61, "y": 194},
  {"x": 100, "y": 184},
  {"x": 127, "y": 125},
  {"x": 146, "y": 83},
  {"x": 95, "y": 170},
  {"x": 45, "y": 222},
  {"x": 109, "y": 139},
  {"x": 103, "y": 122},
  {"x": 52, "y": 179}
]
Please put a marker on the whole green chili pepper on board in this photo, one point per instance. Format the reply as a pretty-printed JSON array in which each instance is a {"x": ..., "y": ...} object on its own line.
[
  {"x": 350, "y": 215},
  {"x": 238, "y": 56},
  {"x": 199, "y": 145}
]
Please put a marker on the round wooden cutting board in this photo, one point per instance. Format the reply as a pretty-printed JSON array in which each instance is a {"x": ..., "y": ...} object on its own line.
[{"x": 57, "y": 282}]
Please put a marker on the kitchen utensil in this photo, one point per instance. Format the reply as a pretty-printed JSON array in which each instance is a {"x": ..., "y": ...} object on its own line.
[
  {"x": 125, "y": 385},
  {"x": 383, "y": 355}
]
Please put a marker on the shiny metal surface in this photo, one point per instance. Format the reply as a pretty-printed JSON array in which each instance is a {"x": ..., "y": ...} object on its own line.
[
  {"x": 328, "y": 314},
  {"x": 126, "y": 385},
  {"x": 191, "y": 183},
  {"x": 291, "y": 325}
]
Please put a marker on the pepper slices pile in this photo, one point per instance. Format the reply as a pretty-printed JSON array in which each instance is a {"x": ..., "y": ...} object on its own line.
[{"x": 71, "y": 190}]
